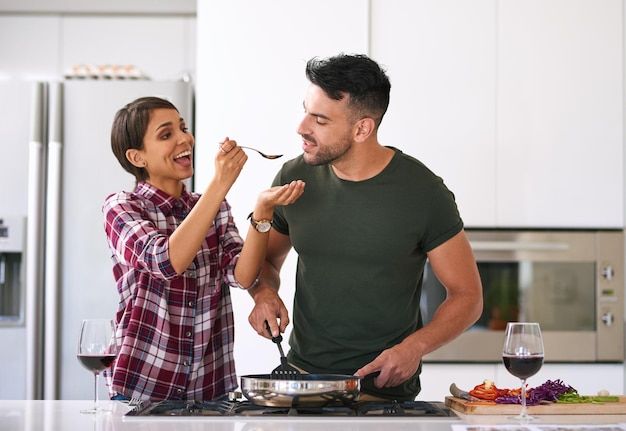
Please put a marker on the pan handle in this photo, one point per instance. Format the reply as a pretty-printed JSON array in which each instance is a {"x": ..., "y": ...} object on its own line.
[{"x": 370, "y": 376}]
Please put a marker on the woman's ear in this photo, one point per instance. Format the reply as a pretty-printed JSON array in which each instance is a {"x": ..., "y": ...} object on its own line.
[
  {"x": 363, "y": 129},
  {"x": 135, "y": 158}
]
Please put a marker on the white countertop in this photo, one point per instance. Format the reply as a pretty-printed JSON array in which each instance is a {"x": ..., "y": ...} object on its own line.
[{"x": 65, "y": 416}]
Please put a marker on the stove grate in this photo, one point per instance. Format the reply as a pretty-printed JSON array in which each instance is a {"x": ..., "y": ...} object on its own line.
[{"x": 247, "y": 408}]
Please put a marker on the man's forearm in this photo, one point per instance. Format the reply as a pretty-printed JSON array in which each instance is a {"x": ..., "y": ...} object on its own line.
[{"x": 269, "y": 278}]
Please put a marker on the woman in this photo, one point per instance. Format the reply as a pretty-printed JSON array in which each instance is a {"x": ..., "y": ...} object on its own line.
[{"x": 175, "y": 254}]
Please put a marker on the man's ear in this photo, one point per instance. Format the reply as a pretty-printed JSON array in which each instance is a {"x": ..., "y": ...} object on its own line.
[
  {"x": 363, "y": 129},
  {"x": 135, "y": 158}
]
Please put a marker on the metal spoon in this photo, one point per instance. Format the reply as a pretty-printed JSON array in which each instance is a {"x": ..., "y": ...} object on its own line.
[{"x": 267, "y": 156}]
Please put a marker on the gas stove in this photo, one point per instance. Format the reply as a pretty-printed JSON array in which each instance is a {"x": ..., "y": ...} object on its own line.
[{"x": 224, "y": 409}]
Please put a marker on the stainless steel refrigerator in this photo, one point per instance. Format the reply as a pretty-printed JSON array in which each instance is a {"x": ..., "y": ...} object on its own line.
[{"x": 56, "y": 168}]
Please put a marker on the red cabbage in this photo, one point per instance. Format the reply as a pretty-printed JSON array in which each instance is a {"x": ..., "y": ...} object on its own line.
[{"x": 547, "y": 392}]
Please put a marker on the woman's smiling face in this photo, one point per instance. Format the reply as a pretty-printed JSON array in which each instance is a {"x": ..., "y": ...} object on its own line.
[{"x": 167, "y": 150}]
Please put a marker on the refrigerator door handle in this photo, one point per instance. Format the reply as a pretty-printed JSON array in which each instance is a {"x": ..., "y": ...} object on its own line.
[
  {"x": 53, "y": 241},
  {"x": 34, "y": 246}
]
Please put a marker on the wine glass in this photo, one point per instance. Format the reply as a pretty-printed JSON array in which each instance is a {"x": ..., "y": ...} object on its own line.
[
  {"x": 96, "y": 351},
  {"x": 522, "y": 355}
]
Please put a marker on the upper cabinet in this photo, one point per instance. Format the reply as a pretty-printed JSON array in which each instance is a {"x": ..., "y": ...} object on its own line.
[
  {"x": 560, "y": 118},
  {"x": 516, "y": 104},
  {"x": 440, "y": 57},
  {"x": 142, "y": 7},
  {"x": 49, "y": 44}
]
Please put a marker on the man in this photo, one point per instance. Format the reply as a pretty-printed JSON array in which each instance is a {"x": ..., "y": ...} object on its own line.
[{"x": 370, "y": 218}]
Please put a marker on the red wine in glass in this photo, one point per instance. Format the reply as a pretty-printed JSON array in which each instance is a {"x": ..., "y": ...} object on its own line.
[
  {"x": 522, "y": 355},
  {"x": 523, "y": 367},
  {"x": 96, "y": 363},
  {"x": 97, "y": 350}
]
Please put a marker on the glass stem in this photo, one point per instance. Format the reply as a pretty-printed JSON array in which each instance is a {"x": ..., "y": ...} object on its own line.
[
  {"x": 523, "y": 412},
  {"x": 95, "y": 391}
]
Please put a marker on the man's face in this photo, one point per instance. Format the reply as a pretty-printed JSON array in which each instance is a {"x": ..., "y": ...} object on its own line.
[{"x": 325, "y": 129}]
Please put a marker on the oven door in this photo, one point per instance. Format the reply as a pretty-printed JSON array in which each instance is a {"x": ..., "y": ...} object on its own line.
[{"x": 571, "y": 282}]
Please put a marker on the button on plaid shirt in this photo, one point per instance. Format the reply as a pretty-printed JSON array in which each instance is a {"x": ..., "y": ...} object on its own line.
[{"x": 175, "y": 332}]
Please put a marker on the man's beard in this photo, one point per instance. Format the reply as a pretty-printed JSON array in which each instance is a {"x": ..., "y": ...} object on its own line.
[{"x": 328, "y": 154}]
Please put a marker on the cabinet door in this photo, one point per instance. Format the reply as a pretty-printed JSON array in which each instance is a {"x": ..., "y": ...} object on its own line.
[
  {"x": 137, "y": 41},
  {"x": 152, "y": 7},
  {"x": 29, "y": 48},
  {"x": 440, "y": 57},
  {"x": 560, "y": 114}
]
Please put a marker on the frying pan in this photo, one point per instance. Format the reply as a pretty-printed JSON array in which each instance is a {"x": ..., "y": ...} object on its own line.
[{"x": 308, "y": 390}]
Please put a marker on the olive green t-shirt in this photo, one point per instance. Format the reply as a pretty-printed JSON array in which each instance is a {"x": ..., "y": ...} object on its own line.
[{"x": 361, "y": 253}]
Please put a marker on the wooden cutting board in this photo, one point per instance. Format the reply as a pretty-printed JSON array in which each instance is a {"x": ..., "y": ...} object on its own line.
[{"x": 484, "y": 408}]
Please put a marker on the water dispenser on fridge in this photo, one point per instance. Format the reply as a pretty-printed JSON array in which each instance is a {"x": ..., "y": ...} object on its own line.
[{"x": 12, "y": 236}]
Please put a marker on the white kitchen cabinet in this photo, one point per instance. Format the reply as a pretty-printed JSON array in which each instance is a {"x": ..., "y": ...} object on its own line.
[
  {"x": 140, "y": 41},
  {"x": 143, "y": 7},
  {"x": 560, "y": 114},
  {"x": 36, "y": 34},
  {"x": 49, "y": 44},
  {"x": 440, "y": 57},
  {"x": 516, "y": 104},
  {"x": 436, "y": 378}
]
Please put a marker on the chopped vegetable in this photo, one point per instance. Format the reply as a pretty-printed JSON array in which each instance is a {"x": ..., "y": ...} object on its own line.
[
  {"x": 573, "y": 396},
  {"x": 546, "y": 393},
  {"x": 552, "y": 391},
  {"x": 605, "y": 399},
  {"x": 487, "y": 391}
]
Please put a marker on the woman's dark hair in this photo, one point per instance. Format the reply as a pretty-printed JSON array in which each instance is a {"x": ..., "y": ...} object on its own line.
[
  {"x": 358, "y": 76},
  {"x": 129, "y": 128}
]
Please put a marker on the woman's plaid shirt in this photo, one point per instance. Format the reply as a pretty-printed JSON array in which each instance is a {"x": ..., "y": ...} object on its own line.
[{"x": 175, "y": 332}]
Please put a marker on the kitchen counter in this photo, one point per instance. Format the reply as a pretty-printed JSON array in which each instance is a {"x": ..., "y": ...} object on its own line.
[{"x": 65, "y": 416}]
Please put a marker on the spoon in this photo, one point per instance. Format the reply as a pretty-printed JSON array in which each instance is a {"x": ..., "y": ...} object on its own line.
[{"x": 267, "y": 156}]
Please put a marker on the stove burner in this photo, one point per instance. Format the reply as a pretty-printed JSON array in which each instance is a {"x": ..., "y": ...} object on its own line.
[
  {"x": 246, "y": 408},
  {"x": 183, "y": 408},
  {"x": 249, "y": 409},
  {"x": 406, "y": 408}
]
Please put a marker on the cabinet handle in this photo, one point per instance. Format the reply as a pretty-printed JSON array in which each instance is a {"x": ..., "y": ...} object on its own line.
[{"x": 518, "y": 246}]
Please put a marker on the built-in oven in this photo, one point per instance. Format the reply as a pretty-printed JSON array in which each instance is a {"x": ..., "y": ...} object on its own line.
[{"x": 571, "y": 282}]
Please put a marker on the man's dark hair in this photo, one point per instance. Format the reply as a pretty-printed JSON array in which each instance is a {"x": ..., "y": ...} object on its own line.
[{"x": 357, "y": 76}]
